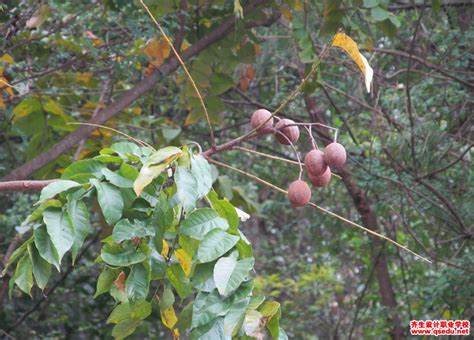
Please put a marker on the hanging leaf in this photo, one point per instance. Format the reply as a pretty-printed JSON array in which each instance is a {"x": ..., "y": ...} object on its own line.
[
  {"x": 79, "y": 217},
  {"x": 105, "y": 281},
  {"x": 110, "y": 201},
  {"x": 200, "y": 222},
  {"x": 215, "y": 244},
  {"x": 230, "y": 273},
  {"x": 45, "y": 246},
  {"x": 137, "y": 282},
  {"x": 23, "y": 276},
  {"x": 187, "y": 187},
  {"x": 41, "y": 268},
  {"x": 60, "y": 230},
  {"x": 345, "y": 42},
  {"x": 184, "y": 260}
]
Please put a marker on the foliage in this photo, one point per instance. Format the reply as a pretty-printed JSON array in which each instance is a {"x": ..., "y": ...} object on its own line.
[
  {"x": 164, "y": 241},
  {"x": 409, "y": 145}
]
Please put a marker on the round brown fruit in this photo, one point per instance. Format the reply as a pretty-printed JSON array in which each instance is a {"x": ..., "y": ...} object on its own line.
[
  {"x": 314, "y": 162},
  {"x": 299, "y": 193},
  {"x": 260, "y": 117},
  {"x": 322, "y": 180},
  {"x": 292, "y": 133},
  {"x": 335, "y": 155}
]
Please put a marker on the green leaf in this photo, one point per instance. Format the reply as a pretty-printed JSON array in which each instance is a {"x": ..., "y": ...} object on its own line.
[
  {"x": 157, "y": 265},
  {"x": 81, "y": 171},
  {"x": 272, "y": 310},
  {"x": 208, "y": 307},
  {"x": 117, "y": 179},
  {"x": 121, "y": 256},
  {"x": 25, "y": 107},
  {"x": 23, "y": 276},
  {"x": 124, "y": 149},
  {"x": 55, "y": 188},
  {"x": 201, "y": 171},
  {"x": 167, "y": 299},
  {"x": 212, "y": 331},
  {"x": 110, "y": 201},
  {"x": 45, "y": 246},
  {"x": 394, "y": 20},
  {"x": 137, "y": 282},
  {"x": 179, "y": 280},
  {"x": 138, "y": 310},
  {"x": 215, "y": 244},
  {"x": 220, "y": 84},
  {"x": 230, "y": 273},
  {"x": 269, "y": 309},
  {"x": 371, "y": 3},
  {"x": 38, "y": 212},
  {"x": 80, "y": 220},
  {"x": 200, "y": 222},
  {"x": 16, "y": 254},
  {"x": 41, "y": 268},
  {"x": 125, "y": 328},
  {"x": 436, "y": 5},
  {"x": 225, "y": 209},
  {"x": 162, "y": 219},
  {"x": 105, "y": 281},
  {"x": 125, "y": 230},
  {"x": 185, "y": 318},
  {"x": 235, "y": 318},
  {"x": 379, "y": 14},
  {"x": 187, "y": 187},
  {"x": 60, "y": 230}
]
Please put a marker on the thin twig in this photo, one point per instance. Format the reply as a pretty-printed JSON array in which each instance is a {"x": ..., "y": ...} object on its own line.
[
  {"x": 258, "y": 179},
  {"x": 183, "y": 65},
  {"x": 136, "y": 140}
]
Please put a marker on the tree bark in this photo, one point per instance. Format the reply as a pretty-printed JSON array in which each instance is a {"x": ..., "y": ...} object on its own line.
[{"x": 369, "y": 220}]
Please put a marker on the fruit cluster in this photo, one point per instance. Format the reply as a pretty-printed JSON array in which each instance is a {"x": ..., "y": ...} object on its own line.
[{"x": 318, "y": 163}]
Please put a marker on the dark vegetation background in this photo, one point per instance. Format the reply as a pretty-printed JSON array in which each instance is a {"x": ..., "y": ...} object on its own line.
[{"x": 409, "y": 173}]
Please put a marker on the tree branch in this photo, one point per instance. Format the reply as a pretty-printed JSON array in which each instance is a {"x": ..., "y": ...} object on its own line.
[{"x": 24, "y": 185}]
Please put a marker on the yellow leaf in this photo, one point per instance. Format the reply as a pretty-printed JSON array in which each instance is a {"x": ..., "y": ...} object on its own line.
[
  {"x": 285, "y": 11},
  {"x": 168, "y": 317},
  {"x": 166, "y": 249},
  {"x": 2, "y": 103},
  {"x": 345, "y": 42},
  {"x": 7, "y": 58},
  {"x": 158, "y": 51},
  {"x": 299, "y": 6},
  {"x": 238, "y": 10},
  {"x": 6, "y": 86},
  {"x": 84, "y": 77},
  {"x": 184, "y": 260},
  {"x": 176, "y": 333},
  {"x": 146, "y": 176},
  {"x": 136, "y": 110}
]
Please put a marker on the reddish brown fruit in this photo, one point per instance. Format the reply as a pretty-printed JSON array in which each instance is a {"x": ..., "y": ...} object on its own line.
[
  {"x": 259, "y": 117},
  {"x": 292, "y": 133},
  {"x": 322, "y": 180},
  {"x": 299, "y": 193},
  {"x": 314, "y": 162},
  {"x": 335, "y": 155}
]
